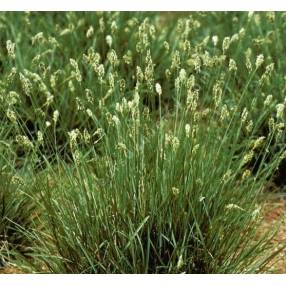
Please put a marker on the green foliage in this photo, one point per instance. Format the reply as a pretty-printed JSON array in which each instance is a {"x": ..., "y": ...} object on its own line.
[
  {"x": 144, "y": 139},
  {"x": 17, "y": 213}
]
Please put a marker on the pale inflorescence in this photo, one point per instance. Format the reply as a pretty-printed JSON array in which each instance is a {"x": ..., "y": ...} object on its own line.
[{"x": 146, "y": 112}]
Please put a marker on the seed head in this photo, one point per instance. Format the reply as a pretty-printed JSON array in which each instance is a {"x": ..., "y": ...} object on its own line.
[
  {"x": 89, "y": 112},
  {"x": 248, "y": 157},
  {"x": 187, "y": 130},
  {"x": 259, "y": 61},
  {"x": 12, "y": 74},
  {"x": 49, "y": 99},
  {"x": 76, "y": 73},
  {"x": 112, "y": 57},
  {"x": 11, "y": 115},
  {"x": 108, "y": 39},
  {"x": 26, "y": 84},
  {"x": 101, "y": 25},
  {"x": 38, "y": 38},
  {"x": 246, "y": 174},
  {"x": 175, "y": 191},
  {"x": 89, "y": 32},
  {"x": 56, "y": 115},
  {"x": 10, "y": 49},
  {"x": 115, "y": 120},
  {"x": 244, "y": 115},
  {"x": 217, "y": 92},
  {"x": 100, "y": 71},
  {"x": 233, "y": 207},
  {"x": 166, "y": 46},
  {"x": 258, "y": 142},
  {"x": 86, "y": 136},
  {"x": 24, "y": 141},
  {"x": 176, "y": 60},
  {"x": 226, "y": 176},
  {"x": 122, "y": 147},
  {"x": 215, "y": 40},
  {"x": 195, "y": 149},
  {"x": 234, "y": 38},
  {"x": 268, "y": 100},
  {"x": 158, "y": 89},
  {"x": 17, "y": 180},
  {"x": 40, "y": 138},
  {"x": 76, "y": 156},
  {"x": 232, "y": 65},
  {"x": 192, "y": 99},
  {"x": 73, "y": 135},
  {"x": 114, "y": 27},
  {"x": 280, "y": 110},
  {"x": 241, "y": 33},
  {"x": 224, "y": 113},
  {"x": 182, "y": 75},
  {"x": 249, "y": 126},
  {"x": 225, "y": 44},
  {"x": 173, "y": 141}
]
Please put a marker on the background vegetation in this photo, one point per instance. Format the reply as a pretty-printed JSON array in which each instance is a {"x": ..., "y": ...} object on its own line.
[{"x": 140, "y": 142}]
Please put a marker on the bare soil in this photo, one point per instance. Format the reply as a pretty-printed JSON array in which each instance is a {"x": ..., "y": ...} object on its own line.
[
  {"x": 11, "y": 270},
  {"x": 275, "y": 211}
]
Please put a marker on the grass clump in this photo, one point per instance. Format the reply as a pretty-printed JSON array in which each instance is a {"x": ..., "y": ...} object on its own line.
[
  {"x": 17, "y": 213},
  {"x": 145, "y": 146}
]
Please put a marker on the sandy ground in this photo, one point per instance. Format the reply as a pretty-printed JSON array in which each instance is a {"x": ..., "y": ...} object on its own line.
[
  {"x": 11, "y": 270},
  {"x": 275, "y": 210}
]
